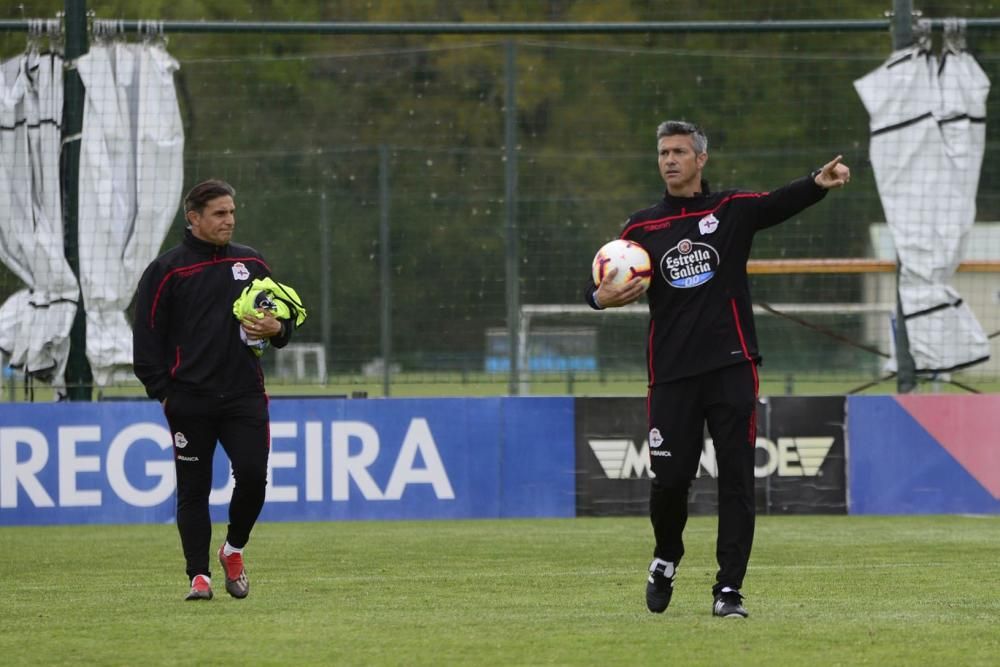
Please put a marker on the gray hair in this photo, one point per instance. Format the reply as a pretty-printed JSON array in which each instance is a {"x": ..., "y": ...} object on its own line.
[{"x": 670, "y": 128}]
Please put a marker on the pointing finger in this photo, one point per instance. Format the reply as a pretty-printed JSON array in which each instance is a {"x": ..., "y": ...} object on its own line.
[{"x": 833, "y": 163}]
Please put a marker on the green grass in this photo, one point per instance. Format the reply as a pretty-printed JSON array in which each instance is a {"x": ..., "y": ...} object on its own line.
[
  {"x": 479, "y": 384},
  {"x": 821, "y": 591}
]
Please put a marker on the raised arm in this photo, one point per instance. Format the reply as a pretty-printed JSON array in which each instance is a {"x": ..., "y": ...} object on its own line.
[{"x": 779, "y": 205}]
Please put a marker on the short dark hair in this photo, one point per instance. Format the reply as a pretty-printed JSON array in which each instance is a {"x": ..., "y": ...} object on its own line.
[
  {"x": 670, "y": 128},
  {"x": 205, "y": 192}
]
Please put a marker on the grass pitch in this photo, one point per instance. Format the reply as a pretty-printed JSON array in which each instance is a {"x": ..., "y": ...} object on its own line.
[
  {"x": 480, "y": 384},
  {"x": 820, "y": 591}
]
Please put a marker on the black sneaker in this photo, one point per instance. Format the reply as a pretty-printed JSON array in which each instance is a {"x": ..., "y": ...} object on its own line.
[
  {"x": 660, "y": 585},
  {"x": 729, "y": 604}
]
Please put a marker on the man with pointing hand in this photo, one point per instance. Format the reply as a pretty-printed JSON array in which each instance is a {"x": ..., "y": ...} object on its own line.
[{"x": 702, "y": 353}]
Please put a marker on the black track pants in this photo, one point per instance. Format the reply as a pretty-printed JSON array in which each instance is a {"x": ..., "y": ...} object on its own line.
[
  {"x": 197, "y": 423},
  {"x": 726, "y": 400}
]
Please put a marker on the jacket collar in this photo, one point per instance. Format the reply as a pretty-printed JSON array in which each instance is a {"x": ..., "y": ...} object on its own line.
[
  {"x": 685, "y": 201},
  {"x": 202, "y": 247}
]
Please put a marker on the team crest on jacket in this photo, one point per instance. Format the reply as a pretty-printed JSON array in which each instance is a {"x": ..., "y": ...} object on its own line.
[
  {"x": 240, "y": 271},
  {"x": 708, "y": 224},
  {"x": 689, "y": 264},
  {"x": 655, "y": 439}
]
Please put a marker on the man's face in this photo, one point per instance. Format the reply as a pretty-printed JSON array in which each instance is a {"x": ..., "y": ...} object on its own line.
[
  {"x": 215, "y": 222},
  {"x": 680, "y": 165}
]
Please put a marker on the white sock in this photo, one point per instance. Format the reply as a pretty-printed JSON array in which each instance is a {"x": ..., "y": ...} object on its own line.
[
  {"x": 229, "y": 550},
  {"x": 668, "y": 567}
]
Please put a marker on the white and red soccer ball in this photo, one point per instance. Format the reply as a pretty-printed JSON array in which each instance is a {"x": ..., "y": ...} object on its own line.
[{"x": 630, "y": 258}]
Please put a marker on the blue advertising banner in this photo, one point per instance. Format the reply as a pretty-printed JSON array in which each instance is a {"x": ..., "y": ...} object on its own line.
[
  {"x": 330, "y": 459},
  {"x": 923, "y": 454}
]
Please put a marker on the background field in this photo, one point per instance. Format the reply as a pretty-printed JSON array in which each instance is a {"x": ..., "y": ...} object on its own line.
[
  {"x": 823, "y": 590},
  {"x": 377, "y": 175},
  {"x": 579, "y": 384}
]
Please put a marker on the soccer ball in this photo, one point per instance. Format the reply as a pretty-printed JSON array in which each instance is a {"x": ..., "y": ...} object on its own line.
[{"x": 630, "y": 258}]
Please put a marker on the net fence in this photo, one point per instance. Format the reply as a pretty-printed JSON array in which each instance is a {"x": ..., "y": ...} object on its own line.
[{"x": 373, "y": 174}]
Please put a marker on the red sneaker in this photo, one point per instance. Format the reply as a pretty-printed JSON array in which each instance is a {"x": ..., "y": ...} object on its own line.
[
  {"x": 201, "y": 588},
  {"x": 237, "y": 584}
]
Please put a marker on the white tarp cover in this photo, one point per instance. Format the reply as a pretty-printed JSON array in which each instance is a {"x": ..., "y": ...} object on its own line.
[
  {"x": 131, "y": 174},
  {"x": 928, "y": 136},
  {"x": 34, "y": 322}
]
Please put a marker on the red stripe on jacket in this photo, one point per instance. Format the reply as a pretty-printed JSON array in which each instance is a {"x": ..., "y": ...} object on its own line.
[
  {"x": 752, "y": 435},
  {"x": 170, "y": 274},
  {"x": 738, "y": 195}
]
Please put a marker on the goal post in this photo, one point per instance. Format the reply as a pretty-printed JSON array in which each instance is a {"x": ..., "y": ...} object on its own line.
[{"x": 843, "y": 338}]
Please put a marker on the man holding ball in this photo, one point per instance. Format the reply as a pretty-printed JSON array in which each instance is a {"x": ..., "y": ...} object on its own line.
[{"x": 702, "y": 353}]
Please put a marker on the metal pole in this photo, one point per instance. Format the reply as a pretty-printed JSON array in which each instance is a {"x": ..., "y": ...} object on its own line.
[
  {"x": 510, "y": 200},
  {"x": 902, "y": 24},
  {"x": 906, "y": 374},
  {"x": 79, "y": 380},
  {"x": 596, "y": 28},
  {"x": 385, "y": 266},
  {"x": 906, "y": 371},
  {"x": 325, "y": 291}
]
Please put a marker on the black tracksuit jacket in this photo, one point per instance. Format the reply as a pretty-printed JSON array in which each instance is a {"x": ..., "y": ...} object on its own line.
[
  {"x": 701, "y": 316},
  {"x": 184, "y": 335}
]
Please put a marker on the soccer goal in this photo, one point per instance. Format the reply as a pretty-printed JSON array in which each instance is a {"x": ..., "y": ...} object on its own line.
[
  {"x": 836, "y": 333},
  {"x": 798, "y": 335}
]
